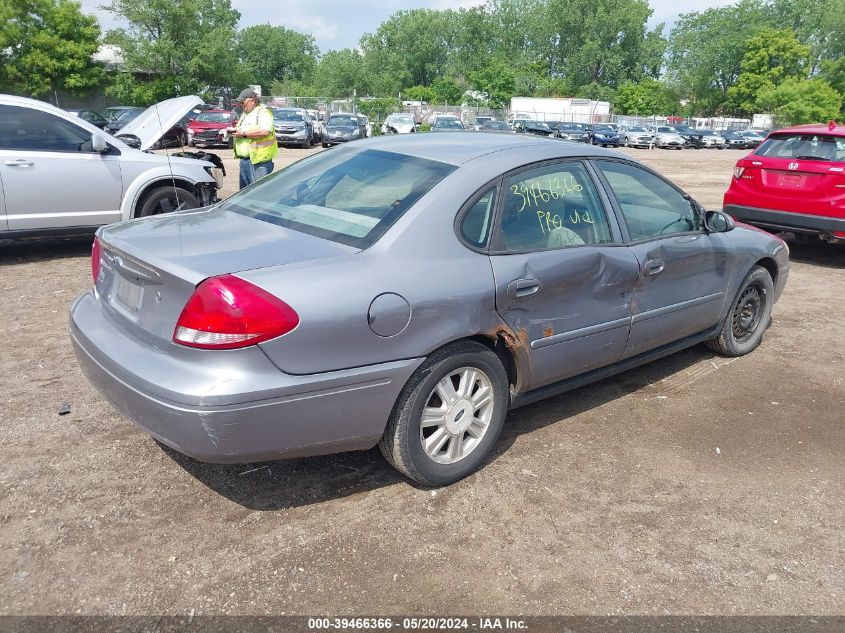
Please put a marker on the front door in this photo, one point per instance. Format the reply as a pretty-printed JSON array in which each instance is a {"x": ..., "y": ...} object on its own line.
[
  {"x": 51, "y": 175},
  {"x": 563, "y": 278},
  {"x": 683, "y": 270}
]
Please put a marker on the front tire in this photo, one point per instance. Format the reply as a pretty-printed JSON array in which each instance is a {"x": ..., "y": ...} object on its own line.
[
  {"x": 748, "y": 317},
  {"x": 448, "y": 416},
  {"x": 165, "y": 200}
]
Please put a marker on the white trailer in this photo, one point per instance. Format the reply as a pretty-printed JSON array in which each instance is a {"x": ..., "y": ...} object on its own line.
[{"x": 553, "y": 109}]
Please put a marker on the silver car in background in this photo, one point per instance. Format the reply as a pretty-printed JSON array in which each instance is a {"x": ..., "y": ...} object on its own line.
[
  {"x": 60, "y": 174},
  {"x": 711, "y": 139},
  {"x": 667, "y": 137},
  {"x": 636, "y": 136},
  {"x": 407, "y": 291}
]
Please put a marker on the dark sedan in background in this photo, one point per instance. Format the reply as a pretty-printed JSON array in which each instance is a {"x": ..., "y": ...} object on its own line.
[
  {"x": 407, "y": 291},
  {"x": 122, "y": 118},
  {"x": 572, "y": 132},
  {"x": 604, "y": 135},
  {"x": 92, "y": 117},
  {"x": 342, "y": 128},
  {"x": 734, "y": 140},
  {"x": 538, "y": 128}
]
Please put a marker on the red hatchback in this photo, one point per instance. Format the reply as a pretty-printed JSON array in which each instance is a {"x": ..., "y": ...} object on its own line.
[
  {"x": 794, "y": 181},
  {"x": 207, "y": 128}
]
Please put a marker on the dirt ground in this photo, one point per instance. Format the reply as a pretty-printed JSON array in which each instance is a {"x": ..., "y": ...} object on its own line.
[{"x": 694, "y": 485}]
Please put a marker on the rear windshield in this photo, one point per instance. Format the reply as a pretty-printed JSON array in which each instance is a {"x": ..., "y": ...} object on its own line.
[
  {"x": 214, "y": 117},
  {"x": 288, "y": 115},
  {"x": 344, "y": 120},
  {"x": 448, "y": 123},
  {"x": 351, "y": 196},
  {"x": 803, "y": 146}
]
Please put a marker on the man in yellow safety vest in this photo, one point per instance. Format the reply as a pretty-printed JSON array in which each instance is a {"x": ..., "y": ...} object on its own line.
[{"x": 254, "y": 138}]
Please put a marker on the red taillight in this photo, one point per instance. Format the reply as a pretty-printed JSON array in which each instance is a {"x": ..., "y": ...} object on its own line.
[
  {"x": 228, "y": 312},
  {"x": 95, "y": 259},
  {"x": 738, "y": 172}
]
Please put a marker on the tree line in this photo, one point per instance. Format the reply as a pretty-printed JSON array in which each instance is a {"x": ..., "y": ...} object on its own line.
[{"x": 785, "y": 57}]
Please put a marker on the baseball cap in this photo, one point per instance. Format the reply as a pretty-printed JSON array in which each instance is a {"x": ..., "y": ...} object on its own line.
[{"x": 247, "y": 93}]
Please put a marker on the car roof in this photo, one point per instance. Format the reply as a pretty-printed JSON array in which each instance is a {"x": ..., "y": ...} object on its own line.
[
  {"x": 461, "y": 147},
  {"x": 812, "y": 128}
]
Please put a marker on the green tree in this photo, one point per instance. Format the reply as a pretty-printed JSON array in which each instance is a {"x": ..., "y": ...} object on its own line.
[
  {"x": 341, "y": 73},
  {"x": 447, "y": 90},
  {"x": 646, "y": 97},
  {"x": 771, "y": 57},
  {"x": 706, "y": 50},
  {"x": 175, "y": 47},
  {"x": 46, "y": 44},
  {"x": 600, "y": 42},
  {"x": 410, "y": 48},
  {"x": 274, "y": 53},
  {"x": 419, "y": 93},
  {"x": 498, "y": 80},
  {"x": 801, "y": 101}
]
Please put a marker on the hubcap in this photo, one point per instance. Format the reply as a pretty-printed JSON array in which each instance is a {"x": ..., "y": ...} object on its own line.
[{"x": 456, "y": 415}]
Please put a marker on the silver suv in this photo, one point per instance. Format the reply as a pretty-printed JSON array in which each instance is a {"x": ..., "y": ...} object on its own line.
[{"x": 60, "y": 174}]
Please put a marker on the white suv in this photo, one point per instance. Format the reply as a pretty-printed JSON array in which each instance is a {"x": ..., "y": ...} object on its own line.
[{"x": 60, "y": 174}]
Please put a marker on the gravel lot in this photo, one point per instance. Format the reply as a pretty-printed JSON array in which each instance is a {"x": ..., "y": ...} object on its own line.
[{"x": 694, "y": 485}]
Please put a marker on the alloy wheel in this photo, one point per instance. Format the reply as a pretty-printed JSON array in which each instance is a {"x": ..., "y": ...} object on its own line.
[{"x": 456, "y": 415}]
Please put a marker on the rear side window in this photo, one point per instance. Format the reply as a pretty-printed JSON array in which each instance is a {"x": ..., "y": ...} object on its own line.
[
  {"x": 553, "y": 206},
  {"x": 351, "y": 196},
  {"x": 475, "y": 225},
  {"x": 32, "y": 130},
  {"x": 650, "y": 205},
  {"x": 803, "y": 146}
]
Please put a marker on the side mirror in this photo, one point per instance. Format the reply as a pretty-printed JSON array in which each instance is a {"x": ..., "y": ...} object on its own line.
[
  {"x": 718, "y": 222},
  {"x": 98, "y": 143}
]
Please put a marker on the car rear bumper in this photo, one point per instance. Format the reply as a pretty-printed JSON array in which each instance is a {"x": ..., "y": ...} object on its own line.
[
  {"x": 244, "y": 409},
  {"x": 785, "y": 220}
]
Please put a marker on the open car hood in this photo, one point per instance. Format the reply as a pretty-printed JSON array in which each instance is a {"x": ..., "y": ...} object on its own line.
[{"x": 153, "y": 122}]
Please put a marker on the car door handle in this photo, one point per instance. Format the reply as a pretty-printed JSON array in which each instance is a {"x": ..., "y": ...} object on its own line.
[
  {"x": 19, "y": 162},
  {"x": 654, "y": 267},
  {"x": 521, "y": 288}
]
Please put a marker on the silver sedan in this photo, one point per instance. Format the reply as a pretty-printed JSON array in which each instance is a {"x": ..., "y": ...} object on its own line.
[{"x": 407, "y": 291}]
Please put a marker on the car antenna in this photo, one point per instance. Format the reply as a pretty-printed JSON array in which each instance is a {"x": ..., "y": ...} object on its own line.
[{"x": 169, "y": 166}]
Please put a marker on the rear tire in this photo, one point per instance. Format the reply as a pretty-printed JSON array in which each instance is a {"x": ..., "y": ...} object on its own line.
[
  {"x": 749, "y": 315},
  {"x": 324, "y": 145},
  {"x": 462, "y": 392},
  {"x": 165, "y": 200}
]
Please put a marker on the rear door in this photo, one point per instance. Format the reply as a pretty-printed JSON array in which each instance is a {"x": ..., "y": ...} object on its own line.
[
  {"x": 52, "y": 177},
  {"x": 799, "y": 173},
  {"x": 683, "y": 271},
  {"x": 564, "y": 280}
]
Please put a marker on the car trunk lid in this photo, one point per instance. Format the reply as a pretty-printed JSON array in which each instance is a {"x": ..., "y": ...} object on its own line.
[{"x": 151, "y": 267}]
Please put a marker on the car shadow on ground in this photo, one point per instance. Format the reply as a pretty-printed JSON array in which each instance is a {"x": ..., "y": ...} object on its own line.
[
  {"x": 44, "y": 248},
  {"x": 818, "y": 253},
  {"x": 284, "y": 484}
]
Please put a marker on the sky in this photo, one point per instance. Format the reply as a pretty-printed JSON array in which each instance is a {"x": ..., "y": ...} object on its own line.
[{"x": 337, "y": 24}]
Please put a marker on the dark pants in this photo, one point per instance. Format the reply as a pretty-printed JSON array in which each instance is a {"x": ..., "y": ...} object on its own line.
[{"x": 250, "y": 173}]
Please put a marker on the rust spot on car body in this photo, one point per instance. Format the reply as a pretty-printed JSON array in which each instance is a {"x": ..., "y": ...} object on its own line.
[{"x": 548, "y": 330}]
